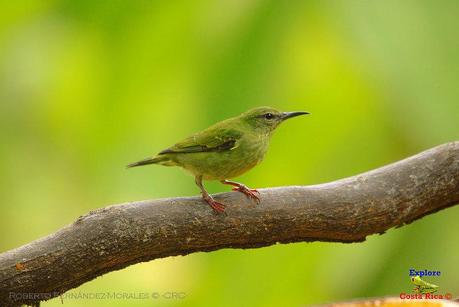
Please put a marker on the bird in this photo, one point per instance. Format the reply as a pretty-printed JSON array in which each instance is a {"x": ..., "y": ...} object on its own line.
[{"x": 224, "y": 150}]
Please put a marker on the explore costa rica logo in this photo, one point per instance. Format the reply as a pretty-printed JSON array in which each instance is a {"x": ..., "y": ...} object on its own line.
[{"x": 424, "y": 289}]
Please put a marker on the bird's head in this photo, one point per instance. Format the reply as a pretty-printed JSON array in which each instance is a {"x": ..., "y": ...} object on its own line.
[{"x": 266, "y": 119}]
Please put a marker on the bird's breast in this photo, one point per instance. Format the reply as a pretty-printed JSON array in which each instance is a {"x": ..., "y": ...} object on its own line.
[{"x": 248, "y": 152}]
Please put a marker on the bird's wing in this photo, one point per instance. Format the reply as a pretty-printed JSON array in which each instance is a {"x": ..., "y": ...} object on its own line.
[{"x": 216, "y": 140}]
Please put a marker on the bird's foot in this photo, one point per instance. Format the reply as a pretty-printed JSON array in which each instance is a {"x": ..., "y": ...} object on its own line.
[
  {"x": 250, "y": 193},
  {"x": 215, "y": 205}
]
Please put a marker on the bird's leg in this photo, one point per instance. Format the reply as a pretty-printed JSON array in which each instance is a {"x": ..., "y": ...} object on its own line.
[
  {"x": 218, "y": 207},
  {"x": 251, "y": 193}
]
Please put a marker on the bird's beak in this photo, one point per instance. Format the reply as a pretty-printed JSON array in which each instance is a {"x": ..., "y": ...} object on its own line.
[{"x": 287, "y": 115}]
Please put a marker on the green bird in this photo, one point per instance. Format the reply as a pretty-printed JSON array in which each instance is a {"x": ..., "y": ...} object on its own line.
[{"x": 225, "y": 150}]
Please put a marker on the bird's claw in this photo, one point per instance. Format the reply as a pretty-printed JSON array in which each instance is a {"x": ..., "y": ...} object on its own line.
[
  {"x": 215, "y": 205},
  {"x": 250, "y": 193}
]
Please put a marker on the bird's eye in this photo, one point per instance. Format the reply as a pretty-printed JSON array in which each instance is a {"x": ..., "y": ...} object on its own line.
[{"x": 269, "y": 116}]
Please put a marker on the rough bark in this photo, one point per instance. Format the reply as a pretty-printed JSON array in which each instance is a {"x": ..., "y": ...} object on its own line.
[{"x": 115, "y": 237}]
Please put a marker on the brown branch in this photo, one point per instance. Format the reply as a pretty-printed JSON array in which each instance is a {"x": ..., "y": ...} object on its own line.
[{"x": 115, "y": 237}]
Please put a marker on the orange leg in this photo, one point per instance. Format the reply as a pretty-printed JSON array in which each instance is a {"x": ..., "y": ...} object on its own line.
[
  {"x": 250, "y": 193},
  {"x": 215, "y": 205}
]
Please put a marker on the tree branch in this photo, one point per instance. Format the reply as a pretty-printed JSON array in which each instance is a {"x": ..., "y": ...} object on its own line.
[{"x": 115, "y": 237}]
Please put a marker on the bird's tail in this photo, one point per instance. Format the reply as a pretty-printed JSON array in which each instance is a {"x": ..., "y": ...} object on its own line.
[{"x": 155, "y": 160}]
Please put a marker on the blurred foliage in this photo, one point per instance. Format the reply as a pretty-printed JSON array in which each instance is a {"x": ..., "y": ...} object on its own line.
[{"x": 88, "y": 86}]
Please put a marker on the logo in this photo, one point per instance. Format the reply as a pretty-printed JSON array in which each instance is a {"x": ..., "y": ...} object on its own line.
[{"x": 423, "y": 289}]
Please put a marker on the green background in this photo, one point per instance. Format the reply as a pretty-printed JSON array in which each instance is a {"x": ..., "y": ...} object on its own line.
[{"x": 89, "y": 86}]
